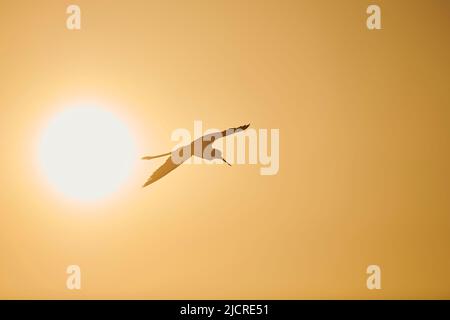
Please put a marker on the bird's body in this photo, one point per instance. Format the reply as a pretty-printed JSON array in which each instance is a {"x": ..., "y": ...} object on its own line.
[{"x": 201, "y": 147}]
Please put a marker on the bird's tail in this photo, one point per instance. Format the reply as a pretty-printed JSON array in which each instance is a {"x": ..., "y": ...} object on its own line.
[{"x": 154, "y": 157}]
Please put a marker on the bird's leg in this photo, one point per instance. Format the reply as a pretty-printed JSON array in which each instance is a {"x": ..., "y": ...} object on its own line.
[{"x": 226, "y": 162}]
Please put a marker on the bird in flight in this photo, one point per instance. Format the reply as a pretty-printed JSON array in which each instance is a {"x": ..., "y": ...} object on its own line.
[{"x": 201, "y": 147}]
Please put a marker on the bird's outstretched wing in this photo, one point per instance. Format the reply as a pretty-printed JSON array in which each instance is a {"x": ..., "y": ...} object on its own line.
[
  {"x": 234, "y": 130},
  {"x": 167, "y": 167},
  {"x": 210, "y": 138},
  {"x": 217, "y": 135}
]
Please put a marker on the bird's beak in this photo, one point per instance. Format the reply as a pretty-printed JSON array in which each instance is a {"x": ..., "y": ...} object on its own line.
[{"x": 226, "y": 162}]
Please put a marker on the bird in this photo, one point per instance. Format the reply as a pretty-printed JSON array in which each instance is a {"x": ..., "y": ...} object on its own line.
[{"x": 201, "y": 147}]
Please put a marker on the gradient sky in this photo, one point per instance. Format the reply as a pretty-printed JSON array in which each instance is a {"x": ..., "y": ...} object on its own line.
[{"x": 364, "y": 149}]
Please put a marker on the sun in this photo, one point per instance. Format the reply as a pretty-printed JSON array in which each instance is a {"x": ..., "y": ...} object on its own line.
[{"x": 86, "y": 152}]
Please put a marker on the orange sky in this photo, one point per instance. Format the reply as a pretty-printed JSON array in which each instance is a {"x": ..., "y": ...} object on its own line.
[{"x": 364, "y": 149}]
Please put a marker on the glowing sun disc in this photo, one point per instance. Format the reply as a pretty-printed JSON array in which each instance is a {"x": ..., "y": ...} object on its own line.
[{"x": 86, "y": 152}]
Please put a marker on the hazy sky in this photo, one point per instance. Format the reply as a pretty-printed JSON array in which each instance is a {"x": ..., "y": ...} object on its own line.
[{"x": 364, "y": 126}]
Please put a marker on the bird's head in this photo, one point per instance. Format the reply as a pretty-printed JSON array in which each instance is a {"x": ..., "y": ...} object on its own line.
[{"x": 217, "y": 154}]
